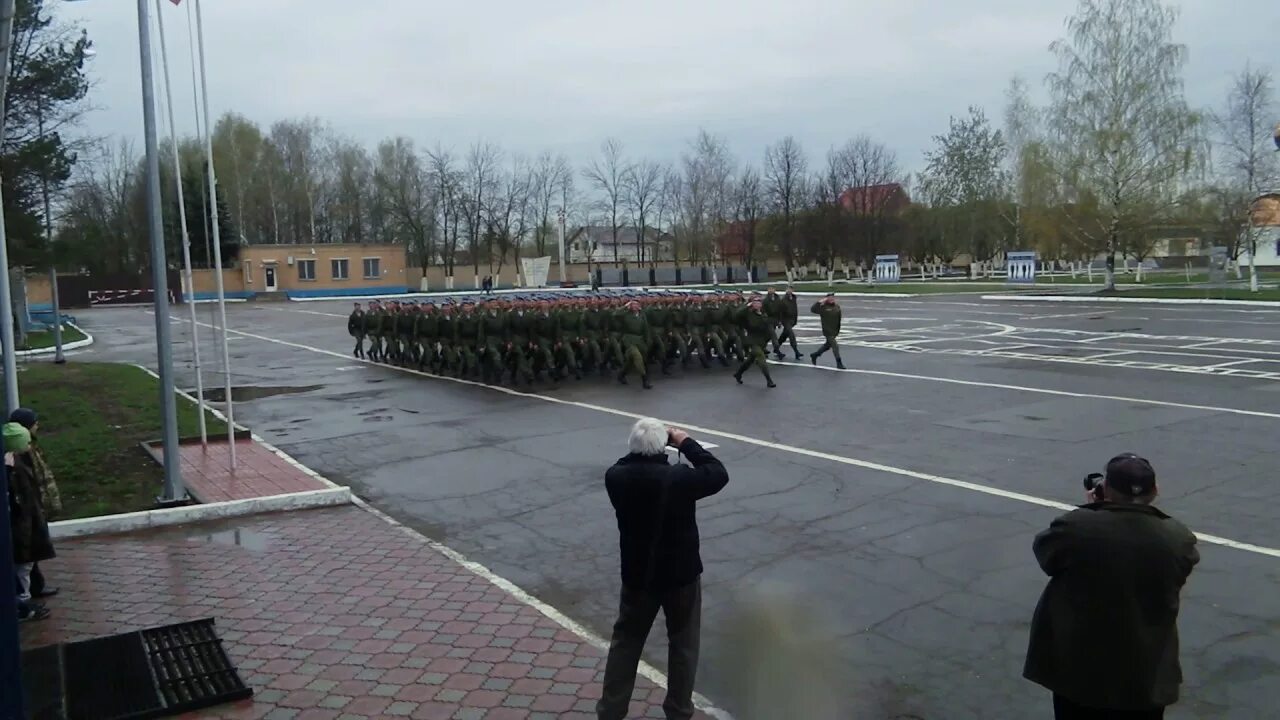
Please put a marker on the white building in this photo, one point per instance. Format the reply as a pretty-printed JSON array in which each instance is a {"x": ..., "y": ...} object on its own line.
[{"x": 597, "y": 241}]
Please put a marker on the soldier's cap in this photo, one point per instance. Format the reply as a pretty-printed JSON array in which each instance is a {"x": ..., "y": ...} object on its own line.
[{"x": 1130, "y": 474}]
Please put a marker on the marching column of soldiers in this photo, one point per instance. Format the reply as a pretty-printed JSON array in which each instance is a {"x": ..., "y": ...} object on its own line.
[{"x": 571, "y": 335}]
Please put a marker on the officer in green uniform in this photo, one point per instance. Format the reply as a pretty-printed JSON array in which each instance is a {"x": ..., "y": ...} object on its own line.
[
  {"x": 772, "y": 307},
  {"x": 495, "y": 339},
  {"x": 789, "y": 316},
  {"x": 757, "y": 331},
  {"x": 727, "y": 327},
  {"x": 467, "y": 342},
  {"x": 374, "y": 322},
  {"x": 829, "y": 310},
  {"x": 616, "y": 313},
  {"x": 714, "y": 313},
  {"x": 447, "y": 336},
  {"x": 391, "y": 332},
  {"x": 356, "y": 328},
  {"x": 519, "y": 326},
  {"x": 636, "y": 340}
]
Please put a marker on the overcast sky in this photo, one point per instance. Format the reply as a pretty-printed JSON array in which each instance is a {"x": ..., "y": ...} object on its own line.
[{"x": 564, "y": 74}]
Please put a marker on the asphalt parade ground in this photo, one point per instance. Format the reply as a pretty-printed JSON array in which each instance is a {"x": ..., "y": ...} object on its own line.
[{"x": 893, "y": 503}]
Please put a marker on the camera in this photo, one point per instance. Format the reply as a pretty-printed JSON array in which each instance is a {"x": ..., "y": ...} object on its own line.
[{"x": 1093, "y": 485}]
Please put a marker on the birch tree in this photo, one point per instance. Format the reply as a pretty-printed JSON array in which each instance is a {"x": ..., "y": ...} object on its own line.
[
  {"x": 785, "y": 168},
  {"x": 1123, "y": 134},
  {"x": 1247, "y": 161},
  {"x": 642, "y": 186},
  {"x": 607, "y": 175}
]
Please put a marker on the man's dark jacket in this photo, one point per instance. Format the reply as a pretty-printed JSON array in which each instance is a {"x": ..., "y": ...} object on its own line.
[
  {"x": 659, "y": 535},
  {"x": 1105, "y": 632}
]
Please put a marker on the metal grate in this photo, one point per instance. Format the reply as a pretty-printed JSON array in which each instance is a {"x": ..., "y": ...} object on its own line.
[
  {"x": 191, "y": 668},
  {"x": 134, "y": 676}
]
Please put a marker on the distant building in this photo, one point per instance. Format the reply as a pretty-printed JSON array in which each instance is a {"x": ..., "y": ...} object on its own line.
[
  {"x": 889, "y": 199},
  {"x": 1266, "y": 228},
  {"x": 596, "y": 241},
  {"x": 321, "y": 269}
]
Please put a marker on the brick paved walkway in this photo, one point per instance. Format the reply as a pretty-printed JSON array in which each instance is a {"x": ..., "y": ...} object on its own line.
[
  {"x": 334, "y": 614},
  {"x": 259, "y": 472}
]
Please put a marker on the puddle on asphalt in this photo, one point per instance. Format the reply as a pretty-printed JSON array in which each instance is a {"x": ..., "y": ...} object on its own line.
[
  {"x": 245, "y": 393},
  {"x": 247, "y": 539}
]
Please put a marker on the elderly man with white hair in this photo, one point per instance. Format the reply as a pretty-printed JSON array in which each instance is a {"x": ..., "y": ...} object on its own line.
[{"x": 658, "y": 534}]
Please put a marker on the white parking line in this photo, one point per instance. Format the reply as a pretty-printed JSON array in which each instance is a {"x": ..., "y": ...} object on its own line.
[{"x": 854, "y": 462}]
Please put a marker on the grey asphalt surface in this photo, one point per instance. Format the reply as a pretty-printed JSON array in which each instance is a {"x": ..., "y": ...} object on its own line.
[{"x": 923, "y": 588}]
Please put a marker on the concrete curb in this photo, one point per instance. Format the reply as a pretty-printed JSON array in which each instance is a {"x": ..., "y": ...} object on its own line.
[
  {"x": 1135, "y": 300},
  {"x": 86, "y": 342},
  {"x": 128, "y": 522}
]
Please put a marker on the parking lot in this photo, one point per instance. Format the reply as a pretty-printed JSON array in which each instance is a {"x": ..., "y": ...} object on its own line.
[{"x": 895, "y": 502}]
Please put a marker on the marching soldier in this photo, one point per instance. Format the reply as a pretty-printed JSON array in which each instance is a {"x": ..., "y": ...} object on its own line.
[
  {"x": 757, "y": 332},
  {"x": 659, "y": 320},
  {"x": 447, "y": 336},
  {"x": 468, "y": 340},
  {"x": 593, "y": 336},
  {"x": 568, "y": 341},
  {"x": 790, "y": 314},
  {"x": 636, "y": 340},
  {"x": 829, "y": 310},
  {"x": 495, "y": 339},
  {"x": 356, "y": 328},
  {"x": 520, "y": 331},
  {"x": 543, "y": 330}
]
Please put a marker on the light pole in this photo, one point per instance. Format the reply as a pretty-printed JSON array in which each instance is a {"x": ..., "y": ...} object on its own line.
[
  {"x": 562, "y": 270},
  {"x": 6, "y": 299},
  {"x": 58, "y": 357}
]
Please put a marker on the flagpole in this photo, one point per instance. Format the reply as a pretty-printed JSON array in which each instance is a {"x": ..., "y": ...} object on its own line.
[
  {"x": 217, "y": 240},
  {"x": 186, "y": 238}
]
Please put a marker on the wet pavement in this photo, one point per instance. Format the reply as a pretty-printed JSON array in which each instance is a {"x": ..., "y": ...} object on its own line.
[
  {"x": 332, "y": 614},
  {"x": 896, "y": 502}
]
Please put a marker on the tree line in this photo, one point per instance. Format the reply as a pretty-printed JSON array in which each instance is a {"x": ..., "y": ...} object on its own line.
[{"x": 1115, "y": 160}]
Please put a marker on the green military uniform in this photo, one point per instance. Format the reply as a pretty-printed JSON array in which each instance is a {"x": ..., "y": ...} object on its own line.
[
  {"x": 467, "y": 342},
  {"x": 727, "y": 329},
  {"x": 495, "y": 335},
  {"x": 421, "y": 347},
  {"x": 790, "y": 315},
  {"x": 772, "y": 307},
  {"x": 568, "y": 338},
  {"x": 695, "y": 317},
  {"x": 543, "y": 330},
  {"x": 757, "y": 331},
  {"x": 679, "y": 329},
  {"x": 447, "y": 335},
  {"x": 520, "y": 330},
  {"x": 830, "y": 314},
  {"x": 636, "y": 338},
  {"x": 391, "y": 334},
  {"x": 594, "y": 333},
  {"x": 406, "y": 335},
  {"x": 659, "y": 318},
  {"x": 613, "y": 349},
  {"x": 356, "y": 328},
  {"x": 375, "y": 320}
]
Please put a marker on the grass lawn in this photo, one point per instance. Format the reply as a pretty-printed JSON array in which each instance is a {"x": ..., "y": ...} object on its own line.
[
  {"x": 92, "y": 418},
  {"x": 44, "y": 338}
]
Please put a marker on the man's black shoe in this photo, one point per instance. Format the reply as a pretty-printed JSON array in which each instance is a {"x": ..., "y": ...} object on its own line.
[
  {"x": 622, "y": 378},
  {"x": 45, "y": 592},
  {"x": 840, "y": 365},
  {"x": 813, "y": 359},
  {"x": 772, "y": 384},
  {"x": 738, "y": 377},
  {"x": 644, "y": 382}
]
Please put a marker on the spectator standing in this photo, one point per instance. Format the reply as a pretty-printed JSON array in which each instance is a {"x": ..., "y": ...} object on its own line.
[
  {"x": 655, "y": 504},
  {"x": 30, "y": 529},
  {"x": 1104, "y": 638},
  {"x": 50, "y": 498}
]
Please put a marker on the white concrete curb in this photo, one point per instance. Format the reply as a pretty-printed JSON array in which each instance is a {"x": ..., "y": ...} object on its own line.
[
  {"x": 128, "y": 522},
  {"x": 86, "y": 342},
  {"x": 1147, "y": 301},
  {"x": 332, "y": 495},
  {"x": 214, "y": 300}
]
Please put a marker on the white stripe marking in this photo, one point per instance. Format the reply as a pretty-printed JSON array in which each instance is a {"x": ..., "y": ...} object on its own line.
[{"x": 866, "y": 464}]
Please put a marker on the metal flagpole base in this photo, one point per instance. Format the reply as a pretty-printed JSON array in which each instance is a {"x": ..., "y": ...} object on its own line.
[{"x": 163, "y": 504}]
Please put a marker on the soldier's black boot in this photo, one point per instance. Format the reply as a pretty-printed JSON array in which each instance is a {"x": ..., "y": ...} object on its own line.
[
  {"x": 770, "y": 382},
  {"x": 644, "y": 382},
  {"x": 798, "y": 355},
  {"x": 813, "y": 358},
  {"x": 778, "y": 354},
  {"x": 723, "y": 360},
  {"x": 738, "y": 376},
  {"x": 622, "y": 377},
  {"x": 840, "y": 364},
  {"x": 666, "y": 368}
]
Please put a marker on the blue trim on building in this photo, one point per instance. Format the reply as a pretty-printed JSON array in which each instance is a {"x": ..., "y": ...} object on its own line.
[
  {"x": 236, "y": 295},
  {"x": 348, "y": 292}
]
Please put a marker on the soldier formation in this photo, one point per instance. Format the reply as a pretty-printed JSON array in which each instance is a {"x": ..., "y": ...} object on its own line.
[{"x": 572, "y": 335}]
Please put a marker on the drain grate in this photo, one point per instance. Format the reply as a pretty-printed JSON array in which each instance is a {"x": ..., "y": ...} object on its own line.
[
  {"x": 190, "y": 667},
  {"x": 146, "y": 674}
]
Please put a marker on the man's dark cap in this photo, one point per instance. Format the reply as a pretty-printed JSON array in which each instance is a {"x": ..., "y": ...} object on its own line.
[{"x": 1131, "y": 475}]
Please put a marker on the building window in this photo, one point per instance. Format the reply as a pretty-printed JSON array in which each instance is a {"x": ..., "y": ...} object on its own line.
[
  {"x": 306, "y": 269},
  {"x": 338, "y": 268},
  {"x": 372, "y": 268}
]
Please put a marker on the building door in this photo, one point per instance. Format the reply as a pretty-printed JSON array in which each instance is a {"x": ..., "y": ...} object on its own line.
[{"x": 270, "y": 272}]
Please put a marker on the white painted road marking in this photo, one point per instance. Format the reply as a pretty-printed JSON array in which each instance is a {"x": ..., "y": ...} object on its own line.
[{"x": 840, "y": 459}]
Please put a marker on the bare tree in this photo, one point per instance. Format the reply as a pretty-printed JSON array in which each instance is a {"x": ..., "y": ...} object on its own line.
[
  {"x": 298, "y": 178},
  {"x": 549, "y": 176},
  {"x": 859, "y": 178},
  {"x": 607, "y": 175},
  {"x": 748, "y": 206},
  {"x": 407, "y": 188},
  {"x": 642, "y": 187},
  {"x": 1123, "y": 133},
  {"x": 1247, "y": 160},
  {"x": 482, "y": 167},
  {"x": 708, "y": 192},
  {"x": 785, "y": 169},
  {"x": 448, "y": 202}
]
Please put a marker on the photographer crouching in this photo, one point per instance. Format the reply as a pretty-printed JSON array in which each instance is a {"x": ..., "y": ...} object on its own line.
[
  {"x": 658, "y": 534},
  {"x": 1104, "y": 638}
]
